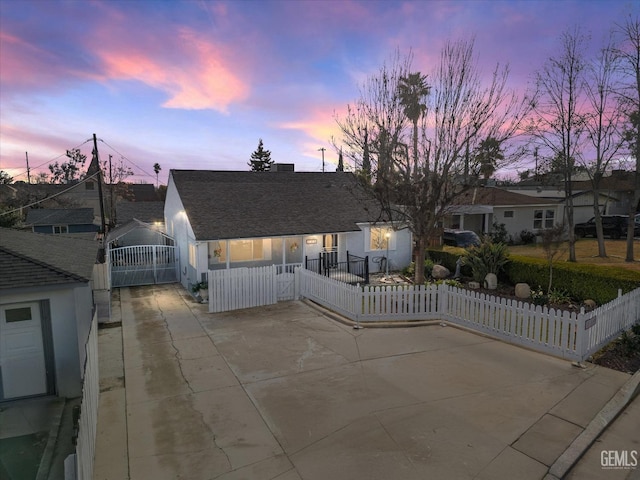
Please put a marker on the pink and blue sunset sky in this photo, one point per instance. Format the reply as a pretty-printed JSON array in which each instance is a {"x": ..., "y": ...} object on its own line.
[{"x": 195, "y": 84}]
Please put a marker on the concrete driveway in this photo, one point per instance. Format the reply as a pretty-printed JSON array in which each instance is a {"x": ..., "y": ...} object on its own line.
[{"x": 283, "y": 392}]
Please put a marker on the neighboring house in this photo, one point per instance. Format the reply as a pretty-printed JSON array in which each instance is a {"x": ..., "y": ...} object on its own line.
[
  {"x": 616, "y": 191},
  {"x": 478, "y": 208},
  {"x": 226, "y": 219},
  {"x": 46, "y": 310},
  {"x": 61, "y": 220}
]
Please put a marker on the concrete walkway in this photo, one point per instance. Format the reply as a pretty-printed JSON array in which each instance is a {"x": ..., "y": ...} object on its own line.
[{"x": 282, "y": 392}]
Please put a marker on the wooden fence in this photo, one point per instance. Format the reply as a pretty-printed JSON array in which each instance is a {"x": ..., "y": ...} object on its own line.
[
  {"x": 88, "y": 412},
  {"x": 569, "y": 335}
]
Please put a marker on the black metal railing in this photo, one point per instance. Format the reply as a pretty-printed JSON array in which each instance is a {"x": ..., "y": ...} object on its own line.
[{"x": 327, "y": 264}]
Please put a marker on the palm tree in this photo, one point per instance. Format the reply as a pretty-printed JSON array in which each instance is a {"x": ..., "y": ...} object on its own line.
[
  {"x": 156, "y": 168},
  {"x": 412, "y": 91}
]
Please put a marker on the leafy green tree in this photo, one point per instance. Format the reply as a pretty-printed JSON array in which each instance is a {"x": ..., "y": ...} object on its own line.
[
  {"x": 7, "y": 219},
  {"x": 5, "y": 178},
  {"x": 156, "y": 169},
  {"x": 260, "y": 159},
  {"x": 68, "y": 171}
]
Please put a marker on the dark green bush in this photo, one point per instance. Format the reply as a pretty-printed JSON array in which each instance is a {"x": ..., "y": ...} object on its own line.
[
  {"x": 579, "y": 281},
  {"x": 448, "y": 259}
]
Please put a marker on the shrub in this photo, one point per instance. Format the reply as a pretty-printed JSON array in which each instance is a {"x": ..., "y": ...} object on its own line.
[
  {"x": 489, "y": 257},
  {"x": 527, "y": 237},
  {"x": 448, "y": 259},
  {"x": 499, "y": 233},
  {"x": 579, "y": 281}
]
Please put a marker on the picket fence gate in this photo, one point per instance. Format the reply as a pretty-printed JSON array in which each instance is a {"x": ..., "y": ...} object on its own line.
[{"x": 238, "y": 288}]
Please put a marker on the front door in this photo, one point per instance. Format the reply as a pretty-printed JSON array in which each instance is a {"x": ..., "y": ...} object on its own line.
[
  {"x": 330, "y": 250},
  {"x": 22, "y": 361}
]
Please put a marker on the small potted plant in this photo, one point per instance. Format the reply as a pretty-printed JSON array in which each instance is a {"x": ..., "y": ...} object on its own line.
[{"x": 201, "y": 291}]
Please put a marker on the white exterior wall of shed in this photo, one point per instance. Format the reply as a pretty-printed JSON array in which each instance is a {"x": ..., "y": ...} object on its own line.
[{"x": 71, "y": 314}]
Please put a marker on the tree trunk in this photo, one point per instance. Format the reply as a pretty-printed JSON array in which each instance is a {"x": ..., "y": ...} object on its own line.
[
  {"x": 602, "y": 252},
  {"x": 419, "y": 259}
]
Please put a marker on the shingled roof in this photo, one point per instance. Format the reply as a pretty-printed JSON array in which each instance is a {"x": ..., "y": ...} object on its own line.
[
  {"x": 227, "y": 204},
  {"x": 497, "y": 197},
  {"x": 60, "y": 216},
  {"x": 33, "y": 259}
]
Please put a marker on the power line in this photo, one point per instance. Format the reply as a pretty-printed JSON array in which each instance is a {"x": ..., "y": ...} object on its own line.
[
  {"x": 127, "y": 159},
  {"x": 53, "y": 159}
]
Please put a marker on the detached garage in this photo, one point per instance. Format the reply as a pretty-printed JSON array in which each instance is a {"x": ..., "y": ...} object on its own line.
[{"x": 46, "y": 310}]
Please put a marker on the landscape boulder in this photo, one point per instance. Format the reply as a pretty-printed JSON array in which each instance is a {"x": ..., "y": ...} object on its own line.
[
  {"x": 491, "y": 281},
  {"x": 589, "y": 304},
  {"x": 523, "y": 290},
  {"x": 439, "y": 272}
]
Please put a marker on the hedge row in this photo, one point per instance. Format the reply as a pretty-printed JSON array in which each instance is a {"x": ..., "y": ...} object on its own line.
[{"x": 580, "y": 281}]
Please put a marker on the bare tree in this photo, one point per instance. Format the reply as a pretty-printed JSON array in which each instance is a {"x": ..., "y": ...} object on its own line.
[
  {"x": 559, "y": 121},
  {"x": 603, "y": 125},
  {"x": 629, "y": 55},
  {"x": 415, "y": 181}
]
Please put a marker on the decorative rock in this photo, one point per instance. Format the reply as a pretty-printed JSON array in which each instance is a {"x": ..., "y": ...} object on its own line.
[
  {"x": 474, "y": 285},
  {"x": 439, "y": 272},
  {"x": 590, "y": 304},
  {"x": 523, "y": 290},
  {"x": 491, "y": 281}
]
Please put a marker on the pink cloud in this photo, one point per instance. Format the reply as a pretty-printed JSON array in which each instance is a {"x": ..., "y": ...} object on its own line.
[{"x": 202, "y": 78}]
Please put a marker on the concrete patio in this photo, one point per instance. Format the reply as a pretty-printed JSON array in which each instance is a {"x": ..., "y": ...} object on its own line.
[{"x": 283, "y": 392}]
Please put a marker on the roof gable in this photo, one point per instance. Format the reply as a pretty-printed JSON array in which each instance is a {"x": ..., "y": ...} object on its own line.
[{"x": 227, "y": 204}]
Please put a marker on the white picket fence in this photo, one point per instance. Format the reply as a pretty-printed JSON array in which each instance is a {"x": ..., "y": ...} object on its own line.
[{"x": 569, "y": 335}]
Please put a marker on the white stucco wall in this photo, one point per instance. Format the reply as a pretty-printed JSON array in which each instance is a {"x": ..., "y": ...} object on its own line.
[
  {"x": 70, "y": 311},
  {"x": 178, "y": 227}
]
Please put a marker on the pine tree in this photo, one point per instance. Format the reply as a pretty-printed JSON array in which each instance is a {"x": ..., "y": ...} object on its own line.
[
  {"x": 340, "y": 163},
  {"x": 260, "y": 159}
]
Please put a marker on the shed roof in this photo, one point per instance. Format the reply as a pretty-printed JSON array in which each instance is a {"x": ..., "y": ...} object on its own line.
[
  {"x": 229, "y": 204},
  {"x": 60, "y": 216},
  {"x": 32, "y": 259}
]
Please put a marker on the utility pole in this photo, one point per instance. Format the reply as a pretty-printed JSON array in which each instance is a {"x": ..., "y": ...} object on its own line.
[
  {"x": 112, "y": 207},
  {"x": 322, "y": 150},
  {"x": 104, "y": 225},
  {"x": 26, "y": 154}
]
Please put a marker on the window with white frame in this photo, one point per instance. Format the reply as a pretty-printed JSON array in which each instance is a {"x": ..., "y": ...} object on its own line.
[
  {"x": 543, "y": 219},
  {"x": 60, "y": 229},
  {"x": 248, "y": 250},
  {"x": 508, "y": 214},
  {"x": 380, "y": 238}
]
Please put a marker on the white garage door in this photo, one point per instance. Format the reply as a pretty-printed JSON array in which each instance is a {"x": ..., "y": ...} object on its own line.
[{"x": 22, "y": 363}]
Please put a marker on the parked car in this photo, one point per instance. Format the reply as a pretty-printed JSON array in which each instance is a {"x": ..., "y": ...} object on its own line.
[
  {"x": 460, "y": 238},
  {"x": 614, "y": 226}
]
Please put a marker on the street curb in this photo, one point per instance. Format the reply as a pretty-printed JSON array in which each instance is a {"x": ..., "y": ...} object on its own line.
[{"x": 600, "y": 422}]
